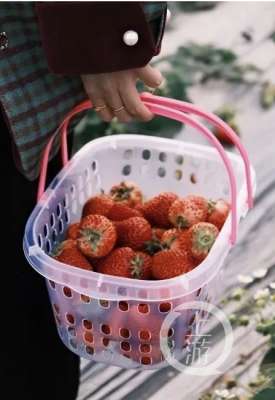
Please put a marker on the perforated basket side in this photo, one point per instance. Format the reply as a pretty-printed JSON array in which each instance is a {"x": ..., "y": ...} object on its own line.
[{"x": 126, "y": 333}]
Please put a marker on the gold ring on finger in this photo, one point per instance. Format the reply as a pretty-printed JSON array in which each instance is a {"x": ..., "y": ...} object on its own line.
[
  {"x": 116, "y": 110},
  {"x": 100, "y": 108}
]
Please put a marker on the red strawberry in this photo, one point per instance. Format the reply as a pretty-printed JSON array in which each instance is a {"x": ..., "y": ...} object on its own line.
[
  {"x": 227, "y": 115},
  {"x": 68, "y": 253},
  {"x": 146, "y": 324},
  {"x": 170, "y": 238},
  {"x": 156, "y": 209},
  {"x": 142, "y": 266},
  {"x": 218, "y": 212},
  {"x": 174, "y": 239},
  {"x": 170, "y": 263},
  {"x": 117, "y": 321},
  {"x": 154, "y": 244},
  {"x": 88, "y": 339},
  {"x": 100, "y": 205},
  {"x": 124, "y": 262},
  {"x": 117, "y": 224},
  {"x": 147, "y": 350},
  {"x": 97, "y": 236},
  {"x": 140, "y": 208},
  {"x": 188, "y": 211},
  {"x": 222, "y": 137},
  {"x": 73, "y": 231},
  {"x": 146, "y": 354},
  {"x": 120, "y": 212},
  {"x": 177, "y": 239},
  {"x": 134, "y": 232},
  {"x": 127, "y": 193},
  {"x": 201, "y": 238},
  {"x": 157, "y": 233}
]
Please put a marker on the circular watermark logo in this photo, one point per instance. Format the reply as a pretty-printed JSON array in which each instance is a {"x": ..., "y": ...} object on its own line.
[{"x": 198, "y": 359}]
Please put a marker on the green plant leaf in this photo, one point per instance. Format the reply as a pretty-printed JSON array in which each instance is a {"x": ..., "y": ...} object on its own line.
[
  {"x": 267, "y": 366},
  {"x": 226, "y": 113},
  {"x": 192, "y": 6},
  {"x": 267, "y": 327},
  {"x": 267, "y": 95},
  {"x": 159, "y": 126},
  {"x": 90, "y": 127},
  {"x": 198, "y": 63},
  {"x": 237, "y": 293},
  {"x": 265, "y": 394},
  {"x": 207, "y": 54},
  {"x": 191, "y": 64}
]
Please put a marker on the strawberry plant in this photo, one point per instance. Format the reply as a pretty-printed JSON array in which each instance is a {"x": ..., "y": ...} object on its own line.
[
  {"x": 267, "y": 97},
  {"x": 267, "y": 367}
]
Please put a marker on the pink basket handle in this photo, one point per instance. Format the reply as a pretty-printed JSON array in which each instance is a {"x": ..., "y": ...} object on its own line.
[
  {"x": 159, "y": 110},
  {"x": 187, "y": 108}
]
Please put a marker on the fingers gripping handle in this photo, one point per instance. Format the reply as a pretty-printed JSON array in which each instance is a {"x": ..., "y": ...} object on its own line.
[{"x": 159, "y": 109}]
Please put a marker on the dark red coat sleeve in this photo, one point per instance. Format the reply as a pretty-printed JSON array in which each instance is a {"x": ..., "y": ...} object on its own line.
[{"x": 87, "y": 37}]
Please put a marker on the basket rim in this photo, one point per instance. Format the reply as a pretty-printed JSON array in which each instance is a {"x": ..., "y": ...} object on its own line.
[{"x": 35, "y": 254}]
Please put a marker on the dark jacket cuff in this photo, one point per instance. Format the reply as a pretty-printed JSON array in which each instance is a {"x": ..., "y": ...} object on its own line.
[{"x": 87, "y": 37}]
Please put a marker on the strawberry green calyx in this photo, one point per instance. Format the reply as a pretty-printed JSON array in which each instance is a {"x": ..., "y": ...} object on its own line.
[
  {"x": 57, "y": 251},
  {"x": 203, "y": 237},
  {"x": 122, "y": 193},
  {"x": 126, "y": 192},
  {"x": 92, "y": 236},
  {"x": 97, "y": 236},
  {"x": 153, "y": 246},
  {"x": 136, "y": 267},
  {"x": 204, "y": 240},
  {"x": 211, "y": 206},
  {"x": 182, "y": 222}
]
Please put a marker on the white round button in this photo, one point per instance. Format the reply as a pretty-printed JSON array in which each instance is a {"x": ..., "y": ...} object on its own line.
[{"x": 130, "y": 38}]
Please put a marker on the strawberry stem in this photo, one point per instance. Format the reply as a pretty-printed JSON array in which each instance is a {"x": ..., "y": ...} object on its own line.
[
  {"x": 168, "y": 243},
  {"x": 153, "y": 246},
  {"x": 57, "y": 250},
  {"x": 211, "y": 206},
  {"x": 205, "y": 240},
  {"x": 122, "y": 193},
  {"x": 136, "y": 267},
  {"x": 182, "y": 222},
  {"x": 93, "y": 236}
]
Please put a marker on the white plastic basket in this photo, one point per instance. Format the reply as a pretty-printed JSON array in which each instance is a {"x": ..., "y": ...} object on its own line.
[{"x": 117, "y": 320}]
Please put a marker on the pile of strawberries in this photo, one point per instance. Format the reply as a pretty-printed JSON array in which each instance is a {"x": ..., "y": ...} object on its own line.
[{"x": 161, "y": 238}]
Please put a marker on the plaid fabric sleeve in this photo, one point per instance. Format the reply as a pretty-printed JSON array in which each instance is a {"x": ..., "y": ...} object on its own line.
[{"x": 34, "y": 100}]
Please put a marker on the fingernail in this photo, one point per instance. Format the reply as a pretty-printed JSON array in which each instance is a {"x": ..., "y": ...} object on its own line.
[
  {"x": 162, "y": 82},
  {"x": 159, "y": 81},
  {"x": 150, "y": 89}
]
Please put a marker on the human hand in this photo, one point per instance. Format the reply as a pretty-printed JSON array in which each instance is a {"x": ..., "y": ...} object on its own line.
[{"x": 117, "y": 91}]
